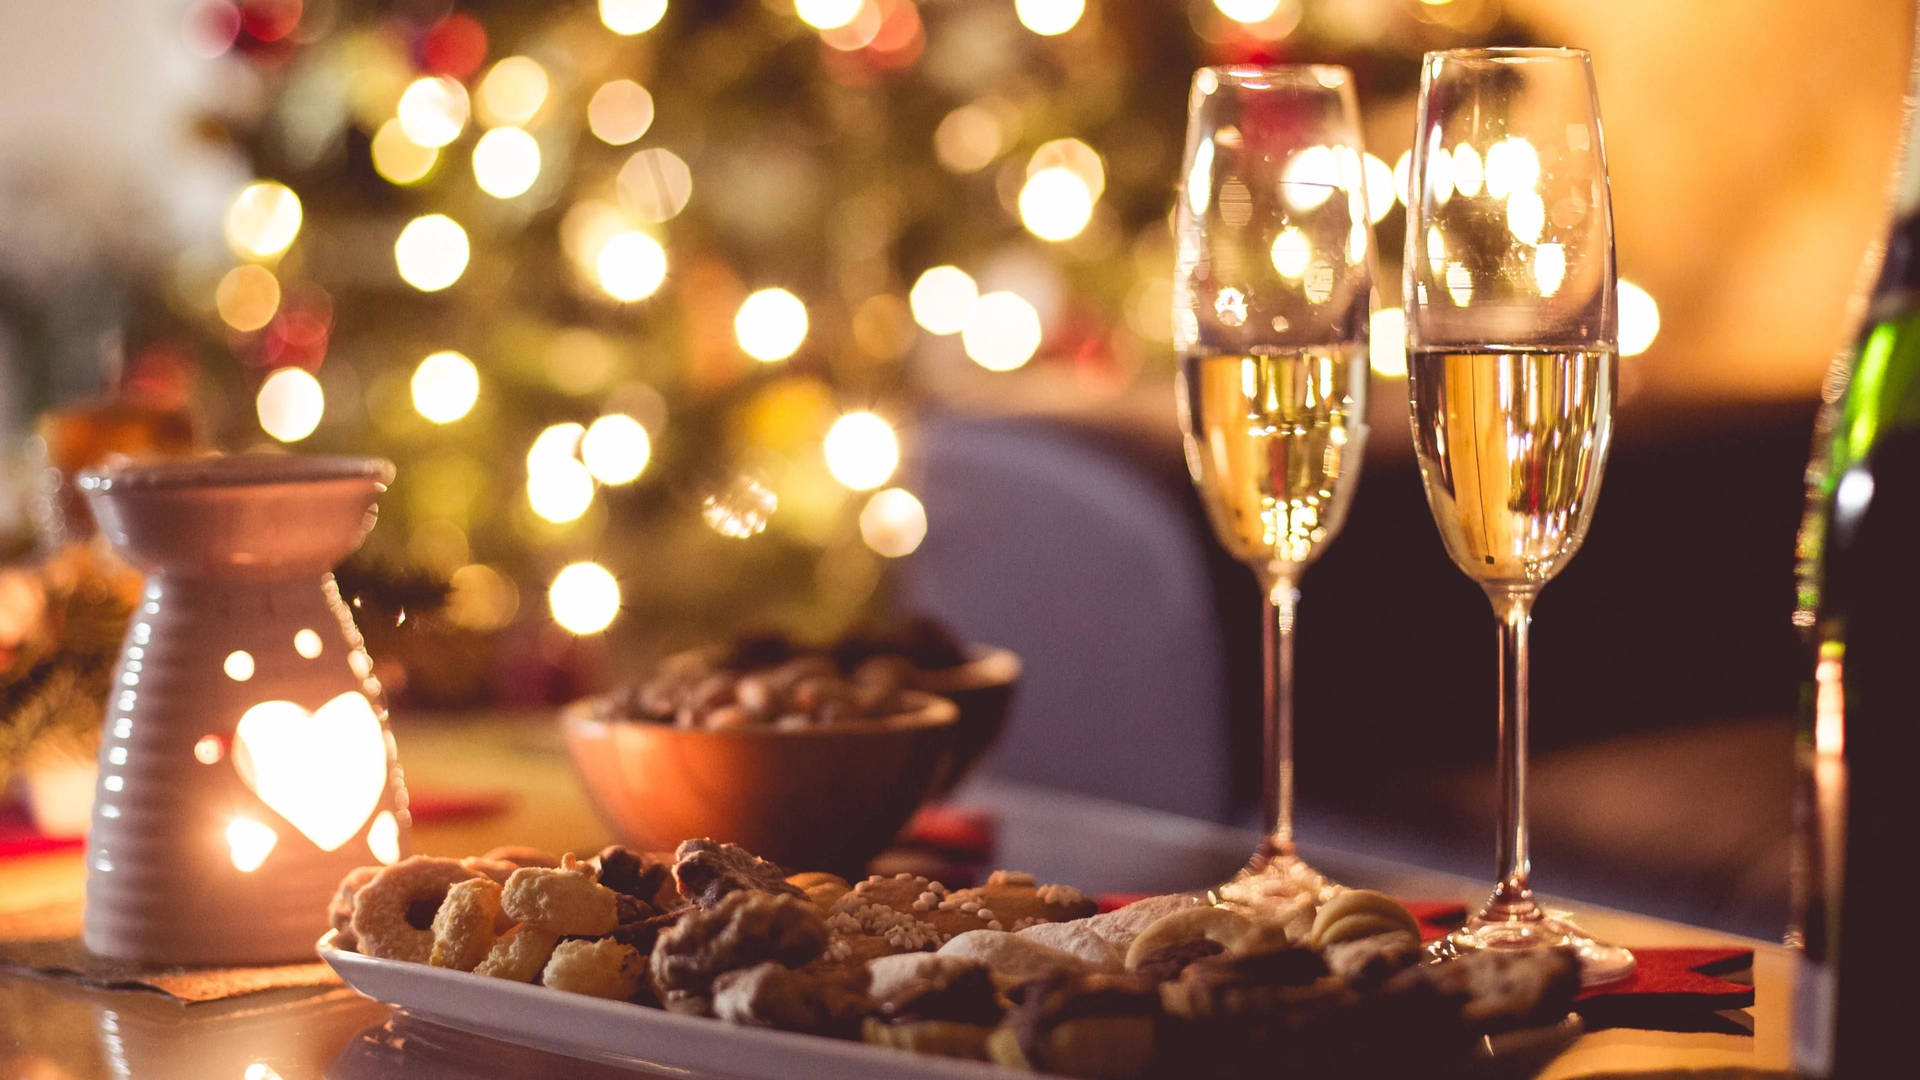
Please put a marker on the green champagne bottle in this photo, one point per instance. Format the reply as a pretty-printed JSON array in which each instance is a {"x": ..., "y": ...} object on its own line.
[{"x": 1859, "y": 605}]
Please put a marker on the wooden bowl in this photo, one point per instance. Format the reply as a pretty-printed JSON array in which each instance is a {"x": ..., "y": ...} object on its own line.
[
  {"x": 824, "y": 798},
  {"x": 982, "y": 689}
]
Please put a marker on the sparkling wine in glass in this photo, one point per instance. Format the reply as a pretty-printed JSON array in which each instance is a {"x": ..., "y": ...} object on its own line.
[
  {"x": 1273, "y": 286},
  {"x": 1512, "y": 352}
]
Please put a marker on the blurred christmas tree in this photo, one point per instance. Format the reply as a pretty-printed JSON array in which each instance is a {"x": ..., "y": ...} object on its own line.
[{"x": 637, "y": 294}]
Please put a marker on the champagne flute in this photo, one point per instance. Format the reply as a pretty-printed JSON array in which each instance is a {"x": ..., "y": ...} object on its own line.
[
  {"x": 1273, "y": 286},
  {"x": 1512, "y": 343}
]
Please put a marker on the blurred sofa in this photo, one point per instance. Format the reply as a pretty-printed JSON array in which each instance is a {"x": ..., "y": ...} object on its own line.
[{"x": 1666, "y": 671}]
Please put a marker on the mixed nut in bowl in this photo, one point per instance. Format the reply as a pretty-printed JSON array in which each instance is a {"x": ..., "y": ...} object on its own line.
[
  {"x": 793, "y": 759},
  {"x": 979, "y": 679}
]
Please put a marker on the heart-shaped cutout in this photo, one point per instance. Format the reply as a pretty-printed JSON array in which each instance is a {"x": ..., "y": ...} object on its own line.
[{"x": 323, "y": 771}]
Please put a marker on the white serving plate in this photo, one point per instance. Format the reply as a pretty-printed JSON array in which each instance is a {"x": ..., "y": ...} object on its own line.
[{"x": 630, "y": 1036}]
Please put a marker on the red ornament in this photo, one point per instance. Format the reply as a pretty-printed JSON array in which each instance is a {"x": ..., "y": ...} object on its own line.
[{"x": 269, "y": 20}]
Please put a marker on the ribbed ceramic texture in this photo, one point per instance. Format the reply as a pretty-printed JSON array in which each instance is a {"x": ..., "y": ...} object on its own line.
[{"x": 162, "y": 885}]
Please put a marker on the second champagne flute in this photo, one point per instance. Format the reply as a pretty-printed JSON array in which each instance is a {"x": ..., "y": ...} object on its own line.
[
  {"x": 1273, "y": 285},
  {"x": 1512, "y": 339}
]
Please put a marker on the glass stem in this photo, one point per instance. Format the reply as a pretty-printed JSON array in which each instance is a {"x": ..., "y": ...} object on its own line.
[
  {"x": 1513, "y": 897},
  {"x": 1283, "y": 601}
]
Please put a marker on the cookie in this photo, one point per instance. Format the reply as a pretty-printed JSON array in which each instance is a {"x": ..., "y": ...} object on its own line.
[
  {"x": 1104, "y": 1027},
  {"x": 1013, "y": 959},
  {"x": 1356, "y": 913},
  {"x": 823, "y": 889},
  {"x": 1119, "y": 927},
  {"x": 1499, "y": 990},
  {"x": 773, "y": 995},
  {"x": 566, "y": 901},
  {"x": 519, "y": 954},
  {"x": 900, "y": 910},
  {"x": 706, "y": 872},
  {"x": 1080, "y": 939},
  {"x": 340, "y": 908},
  {"x": 944, "y": 1038},
  {"x": 925, "y": 986},
  {"x": 745, "y": 928},
  {"x": 1014, "y": 900},
  {"x": 602, "y": 968}
]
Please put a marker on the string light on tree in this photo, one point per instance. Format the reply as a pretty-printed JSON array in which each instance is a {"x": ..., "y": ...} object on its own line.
[
  {"x": 1248, "y": 11},
  {"x": 654, "y": 184},
  {"x": 770, "y": 325},
  {"x": 630, "y": 17},
  {"x": 247, "y": 297},
  {"x": 631, "y": 266},
  {"x": 558, "y": 488},
  {"x": 941, "y": 299},
  {"x": 1387, "y": 343},
  {"x": 397, "y": 158},
  {"x": 506, "y": 162},
  {"x": 431, "y": 252},
  {"x": 1639, "y": 319},
  {"x": 433, "y": 110},
  {"x": 893, "y": 522},
  {"x": 1379, "y": 188},
  {"x": 584, "y": 598},
  {"x": 619, "y": 112},
  {"x": 1055, "y": 204},
  {"x": 556, "y": 442},
  {"x": 827, "y": 14},
  {"x": 1049, "y": 17},
  {"x": 862, "y": 450},
  {"x": 290, "y": 404},
  {"x": 1002, "y": 331},
  {"x": 616, "y": 449},
  {"x": 263, "y": 219},
  {"x": 513, "y": 91},
  {"x": 445, "y": 386}
]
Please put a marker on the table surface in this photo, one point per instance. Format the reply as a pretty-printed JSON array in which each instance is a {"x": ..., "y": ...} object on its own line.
[{"x": 51, "y": 1030}]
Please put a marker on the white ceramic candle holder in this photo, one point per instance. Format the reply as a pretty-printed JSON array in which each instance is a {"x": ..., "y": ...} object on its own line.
[{"x": 246, "y": 764}]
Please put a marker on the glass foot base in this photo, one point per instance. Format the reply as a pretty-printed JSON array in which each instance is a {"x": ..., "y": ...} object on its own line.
[
  {"x": 1600, "y": 963},
  {"x": 1272, "y": 881}
]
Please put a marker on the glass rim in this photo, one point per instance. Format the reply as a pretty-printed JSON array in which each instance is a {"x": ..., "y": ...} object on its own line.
[
  {"x": 1510, "y": 53},
  {"x": 1326, "y": 76}
]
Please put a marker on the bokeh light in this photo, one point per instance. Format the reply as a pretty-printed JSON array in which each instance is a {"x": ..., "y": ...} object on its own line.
[
  {"x": 1247, "y": 11},
  {"x": 397, "y": 158},
  {"x": 654, "y": 184},
  {"x": 513, "y": 91},
  {"x": 630, "y": 17},
  {"x": 249, "y": 843},
  {"x": 862, "y": 450},
  {"x": 1639, "y": 319},
  {"x": 1468, "y": 172},
  {"x": 1310, "y": 176},
  {"x": 445, "y": 386},
  {"x": 968, "y": 139},
  {"x": 1549, "y": 268},
  {"x": 263, "y": 219},
  {"x": 1379, "y": 185},
  {"x": 619, "y": 112},
  {"x": 290, "y": 404},
  {"x": 506, "y": 162},
  {"x": 556, "y": 442},
  {"x": 584, "y": 598},
  {"x": 558, "y": 488},
  {"x": 1526, "y": 215},
  {"x": 942, "y": 298},
  {"x": 1055, "y": 204},
  {"x": 1512, "y": 165},
  {"x": 1074, "y": 156},
  {"x": 1291, "y": 250},
  {"x": 893, "y": 522},
  {"x": 433, "y": 110},
  {"x": 481, "y": 598},
  {"x": 1387, "y": 343},
  {"x": 827, "y": 14},
  {"x": 770, "y": 325},
  {"x": 741, "y": 508},
  {"x": 631, "y": 266},
  {"x": 431, "y": 252},
  {"x": 1002, "y": 331},
  {"x": 1049, "y": 17},
  {"x": 616, "y": 449},
  {"x": 247, "y": 297}
]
